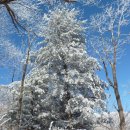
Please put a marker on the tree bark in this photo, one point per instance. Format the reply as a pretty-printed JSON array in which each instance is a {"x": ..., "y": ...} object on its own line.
[
  {"x": 13, "y": 75},
  {"x": 22, "y": 83},
  {"x": 6, "y": 1},
  {"x": 116, "y": 91},
  {"x": 118, "y": 99}
]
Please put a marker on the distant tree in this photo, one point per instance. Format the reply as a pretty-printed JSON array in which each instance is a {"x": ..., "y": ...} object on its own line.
[
  {"x": 108, "y": 38},
  {"x": 8, "y": 94}
]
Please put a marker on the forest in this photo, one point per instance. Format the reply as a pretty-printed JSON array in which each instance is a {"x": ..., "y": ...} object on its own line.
[{"x": 64, "y": 65}]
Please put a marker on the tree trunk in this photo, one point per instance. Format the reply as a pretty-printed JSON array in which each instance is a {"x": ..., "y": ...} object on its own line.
[
  {"x": 13, "y": 75},
  {"x": 116, "y": 91},
  {"x": 118, "y": 99},
  {"x": 22, "y": 83}
]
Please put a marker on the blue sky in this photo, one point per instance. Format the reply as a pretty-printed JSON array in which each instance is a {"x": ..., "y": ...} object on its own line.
[{"x": 123, "y": 70}]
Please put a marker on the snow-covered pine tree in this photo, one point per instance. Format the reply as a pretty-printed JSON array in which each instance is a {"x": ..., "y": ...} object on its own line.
[
  {"x": 63, "y": 89},
  {"x": 74, "y": 91}
]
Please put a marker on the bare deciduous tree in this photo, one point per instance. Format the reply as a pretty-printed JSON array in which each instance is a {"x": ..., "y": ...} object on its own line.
[
  {"x": 108, "y": 41},
  {"x": 30, "y": 40}
]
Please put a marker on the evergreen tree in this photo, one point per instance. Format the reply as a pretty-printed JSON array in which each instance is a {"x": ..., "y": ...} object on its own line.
[{"x": 63, "y": 89}]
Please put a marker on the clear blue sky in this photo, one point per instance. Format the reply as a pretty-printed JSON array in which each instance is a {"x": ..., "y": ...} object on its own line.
[{"x": 123, "y": 70}]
